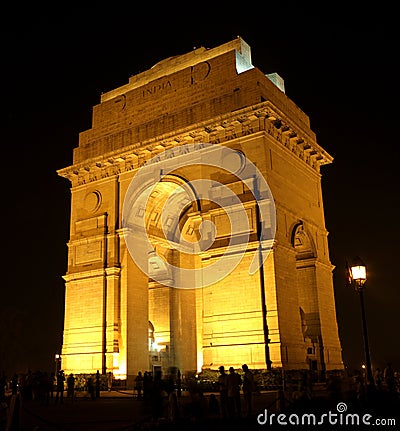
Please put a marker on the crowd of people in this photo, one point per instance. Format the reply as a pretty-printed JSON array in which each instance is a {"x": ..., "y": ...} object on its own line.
[
  {"x": 231, "y": 400},
  {"x": 47, "y": 387},
  {"x": 230, "y": 386},
  {"x": 385, "y": 381}
]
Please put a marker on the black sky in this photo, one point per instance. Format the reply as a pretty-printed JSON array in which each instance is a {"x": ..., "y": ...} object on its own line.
[{"x": 340, "y": 65}]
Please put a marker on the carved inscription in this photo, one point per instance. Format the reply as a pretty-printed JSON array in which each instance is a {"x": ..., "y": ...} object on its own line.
[
  {"x": 155, "y": 89},
  {"x": 200, "y": 72}
]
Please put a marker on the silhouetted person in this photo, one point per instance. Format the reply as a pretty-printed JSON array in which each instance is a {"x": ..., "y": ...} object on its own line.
[
  {"x": 234, "y": 381},
  {"x": 139, "y": 384},
  {"x": 71, "y": 387},
  {"x": 4, "y": 415},
  {"x": 249, "y": 388},
  {"x": 109, "y": 381},
  {"x": 223, "y": 391},
  {"x": 360, "y": 387},
  {"x": 156, "y": 398},
  {"x": 14, "y": 384},
  {"x": 388, "y": 375},
  {"x": 90, "y": 387},
  {"x": 60, "y": 387},
  {"x": 179, "y": 384},
  {"x": 27, "y": 386},
  {"x": 3, "y": 383},
  {"x": 147, "y": 386},
  {"x": 97, "y": 384},
  {"x": 173, "y": 408},
  {"x": 169, "y": 384},
  {"x": 51, "y": 382},
  {"x": 378, "y": 379},
  {"x": 45, "y": 387}
]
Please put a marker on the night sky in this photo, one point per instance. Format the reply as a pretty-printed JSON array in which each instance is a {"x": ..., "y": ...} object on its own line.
[{"x": 340, "y": 66}]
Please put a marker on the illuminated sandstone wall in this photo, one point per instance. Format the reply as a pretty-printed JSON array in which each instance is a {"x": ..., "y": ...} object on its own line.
[{"x": 207, "y": 96}]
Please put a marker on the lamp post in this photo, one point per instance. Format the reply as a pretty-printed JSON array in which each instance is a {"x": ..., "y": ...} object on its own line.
[{"x": 358, "y": 275}]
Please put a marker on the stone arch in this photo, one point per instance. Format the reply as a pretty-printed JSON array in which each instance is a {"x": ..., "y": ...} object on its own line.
[
  {"x": 302, "y": 242},
  {"x": 180, "y": 198},
  {"x": 168, "y": 212}
]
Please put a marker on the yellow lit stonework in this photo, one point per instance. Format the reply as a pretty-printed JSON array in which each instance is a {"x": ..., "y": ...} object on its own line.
[{"x": 120, "y": 319}]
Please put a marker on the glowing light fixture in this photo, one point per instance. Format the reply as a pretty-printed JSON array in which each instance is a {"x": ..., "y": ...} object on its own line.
[
  {"x": 358, "y": 277},
  {"x": 358, "y": 272}
]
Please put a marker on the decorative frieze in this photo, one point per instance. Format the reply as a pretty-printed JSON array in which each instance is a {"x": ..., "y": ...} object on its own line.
[{"x": 259, "y": 118}]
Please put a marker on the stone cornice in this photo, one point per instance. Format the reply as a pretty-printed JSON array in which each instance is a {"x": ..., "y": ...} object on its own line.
[
  {"x": 219, "y": 130},
  {"x": 84, "y": 274}
]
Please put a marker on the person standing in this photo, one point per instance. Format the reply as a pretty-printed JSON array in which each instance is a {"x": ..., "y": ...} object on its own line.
[
  {"x": 109, "y": 381},
  {"x": 156, "y": 397},
  {"x": 378, "y": 379},
  {"x": 234, "y": 382},
  {"x": 51, "y": 383},
  {"x": 60, "y": 387},
  {"x": 97, "y": 384},
  {"x": 139, "y": 385},
  {"x": 91, "y": 388},
  {"x": 71, "y": 387},
  {"x": 249, "y": 388},
  {"x": 147, "y": 387},
  {"x": 3, "y": 384},
  {"x": 388, "y": 375},
  {"x": 223, "y": 391},
  {"x": 14, "y": 384}
]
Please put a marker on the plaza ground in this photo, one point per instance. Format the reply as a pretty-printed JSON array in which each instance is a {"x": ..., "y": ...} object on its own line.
[
  {"x": 122, "y": 411},
  {"x": 118, "y": 411}
]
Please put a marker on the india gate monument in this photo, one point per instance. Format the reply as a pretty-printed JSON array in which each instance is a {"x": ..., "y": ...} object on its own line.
[{"x": 197, "y": 229}]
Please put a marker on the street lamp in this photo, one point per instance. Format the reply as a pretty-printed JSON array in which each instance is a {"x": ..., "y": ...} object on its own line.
[{"x": 358, "y": 277}]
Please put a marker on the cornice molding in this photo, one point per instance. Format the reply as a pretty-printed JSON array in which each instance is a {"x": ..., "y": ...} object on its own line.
[{"x": 221, "y": 130}]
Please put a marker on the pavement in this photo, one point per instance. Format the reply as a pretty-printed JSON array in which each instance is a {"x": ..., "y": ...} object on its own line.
[{"x": 122, "y": 411}]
